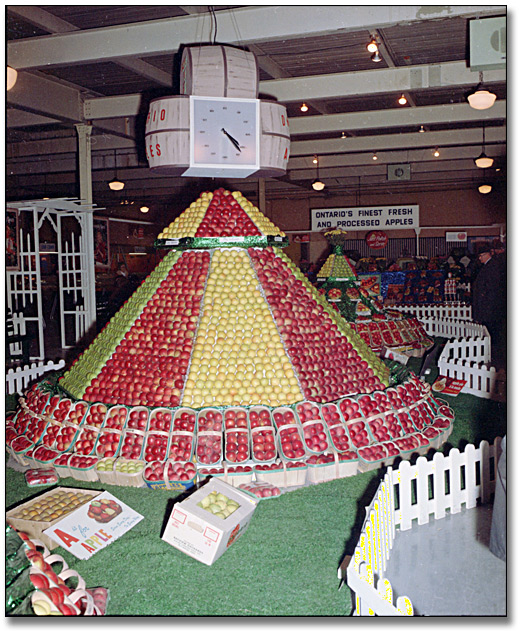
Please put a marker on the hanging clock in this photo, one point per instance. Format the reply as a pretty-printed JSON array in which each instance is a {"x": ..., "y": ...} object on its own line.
[
  {"x": 224, "y": 137},
  {"x": 221, "y": 129}
]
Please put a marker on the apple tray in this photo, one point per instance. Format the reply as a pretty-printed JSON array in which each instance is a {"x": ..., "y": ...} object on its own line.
[
  {"x": 234, "y": 478},
  {"x": 284, "y": 476},
  {"x": 322, "y": 472},
  {"x": 129, "y": 480},
  {"x": 366, "y": 466},
  {"x": 63, "y": 471},
  {"x": 107, "y": 477},
  {"x": 165, "y": 483},
  {"x": 88, "y": 474},
  {"x": 35, "y": 528},
  {"x": 19, "y": 455}
]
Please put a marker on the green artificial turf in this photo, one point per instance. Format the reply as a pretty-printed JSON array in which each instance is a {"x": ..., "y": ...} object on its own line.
[{"x": 286, "y": 562}]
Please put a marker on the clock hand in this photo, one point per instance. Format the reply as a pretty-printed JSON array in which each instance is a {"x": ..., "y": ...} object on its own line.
[{"x": 232, "y": 139}]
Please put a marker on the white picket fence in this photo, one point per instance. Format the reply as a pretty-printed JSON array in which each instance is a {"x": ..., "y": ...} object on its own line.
[
  {"x": 17, "y": 380},
  {"x": 414, "y": 492},
  {"x": 452, "y": 328},
  {"x": 454, "y": 310},
  {"x": 468, "y": 359}
]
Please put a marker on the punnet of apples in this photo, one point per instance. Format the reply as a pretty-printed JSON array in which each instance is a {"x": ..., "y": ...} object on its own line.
[{"x": 225, "y": 357}]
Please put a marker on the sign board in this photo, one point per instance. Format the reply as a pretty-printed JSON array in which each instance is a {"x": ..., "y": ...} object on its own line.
[
  {"x": 460, "y": 235},
  {"x": 93, "y": 526},
  {"x": 366, "y": 217},
  {"x": 376, "y": 239},
  {"x": 487, "y": 44}
]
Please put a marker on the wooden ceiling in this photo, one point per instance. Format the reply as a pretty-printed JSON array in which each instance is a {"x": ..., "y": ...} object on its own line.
[{"x": 103, "y": 64}]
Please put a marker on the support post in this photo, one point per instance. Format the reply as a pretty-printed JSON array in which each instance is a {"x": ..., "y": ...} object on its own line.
[
  {"x": 261, "y": 191},
  {"x": 417, "y": 234},
  {"x": 84, "y": 167}
]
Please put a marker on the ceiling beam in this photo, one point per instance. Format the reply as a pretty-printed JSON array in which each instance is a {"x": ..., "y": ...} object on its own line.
[
  {"x": 49, "y": 22},
  {"x": 398, "y": 117},
  {"x": 238, "y": 26},
  {"x": 414, "y": 140},
  {"x": 364, "y": 82}
]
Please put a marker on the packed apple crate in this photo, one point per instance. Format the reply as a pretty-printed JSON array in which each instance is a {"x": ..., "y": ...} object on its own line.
[{"x": 226, "y": 362}]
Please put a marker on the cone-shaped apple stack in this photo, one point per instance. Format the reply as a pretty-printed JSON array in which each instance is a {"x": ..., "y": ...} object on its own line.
[
  {"x": 226, "y": 319},
  {"x": 360, "y": 304}
]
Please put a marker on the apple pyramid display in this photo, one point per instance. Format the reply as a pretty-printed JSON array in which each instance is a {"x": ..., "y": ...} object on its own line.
[
  {"x": 358, "y": 300},
  {"x": 226, "y": 354}
]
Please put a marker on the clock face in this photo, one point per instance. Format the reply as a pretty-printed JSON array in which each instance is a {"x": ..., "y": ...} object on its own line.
[{"x": 224, "y": 135}]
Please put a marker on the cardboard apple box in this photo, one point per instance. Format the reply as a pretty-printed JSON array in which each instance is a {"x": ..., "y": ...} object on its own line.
[{"x": 201, "y": 534}]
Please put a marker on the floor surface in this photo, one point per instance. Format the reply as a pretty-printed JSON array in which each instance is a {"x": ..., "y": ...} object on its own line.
[{"x": 446, "y": 568}]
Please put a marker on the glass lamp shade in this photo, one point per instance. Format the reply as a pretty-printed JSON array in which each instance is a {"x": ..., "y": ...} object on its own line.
[
  {"x": 144, "y": 209},
  {"x": 485, "y": 188},
  {"x": 116, "y": 185},
  {"x": 11, "y": 77},
  {"x": 483, "y": 161},
  {"x": 481, "y": 99},
  {"x": 317, "y": 185}
]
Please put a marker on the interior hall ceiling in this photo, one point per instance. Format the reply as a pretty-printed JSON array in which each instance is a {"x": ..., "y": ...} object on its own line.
[{"x": 101, "y": 65}]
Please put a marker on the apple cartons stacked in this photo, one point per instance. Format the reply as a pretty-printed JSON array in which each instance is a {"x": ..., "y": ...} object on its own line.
[{"x": 226, "y": 321}]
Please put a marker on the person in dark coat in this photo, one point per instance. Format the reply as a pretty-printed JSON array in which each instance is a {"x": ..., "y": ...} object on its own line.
[
  {"x": 489, "y": 301},
  {"x": 122, "y": 289}
]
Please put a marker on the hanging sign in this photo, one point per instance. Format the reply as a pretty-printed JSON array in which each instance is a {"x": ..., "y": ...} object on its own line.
[
  {"x": 366, "y": 217},
  {"x": 457, "y": 236},
  {"x": 376, "y": 239}
]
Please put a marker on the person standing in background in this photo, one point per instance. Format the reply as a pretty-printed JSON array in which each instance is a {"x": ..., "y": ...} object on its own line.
[{"x": 488, "y": 302}]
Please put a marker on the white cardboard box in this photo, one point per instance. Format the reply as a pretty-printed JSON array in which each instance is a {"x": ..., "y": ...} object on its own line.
[{"x": 199, "y": 533}]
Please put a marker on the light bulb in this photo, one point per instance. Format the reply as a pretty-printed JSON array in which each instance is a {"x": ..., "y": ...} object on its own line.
[
  {"x": 304, "y": 108},
  {"x": 372, "y": 47},
  {"x": 317, "y": 185},
  {"x": 436, "y": 153},
  {"x": 403, "y": 100},
  {"x": 374, "y": 157},
  {"x": 144, "y": 209},
  {"x": 485, "y": 188}
]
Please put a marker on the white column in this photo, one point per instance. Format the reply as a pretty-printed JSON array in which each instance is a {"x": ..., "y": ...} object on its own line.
[{"x": 84, "y": 162}]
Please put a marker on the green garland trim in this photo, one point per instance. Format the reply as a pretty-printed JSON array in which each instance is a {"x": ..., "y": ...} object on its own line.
[{"x": 185, "y": 243}]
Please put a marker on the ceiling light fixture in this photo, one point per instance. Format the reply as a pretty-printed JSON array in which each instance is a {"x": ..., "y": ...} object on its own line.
[
  {"x": 304, "y": 108},
  {"x": 372, "y": 46},
  {"x": 315, "y": 160},
  {"x": 115, "y": 184},
  {"x": 481, "y": 99},
  {"x": 403, "y": 100},
  {"x": 144, "y": 209},
  {"x": 317, "y": 184},
  {"x": 12, "y": 75},
  {"x": 374, "y": 157},
  {"x": 343, "y": 135},
  {"x": 483, "y": 161},
  {"x": 376, "y": 56},
  {"x": 485, "y": 188},
  {"x": 421, "y": 129},
  {"x": 436, "y": 153}
]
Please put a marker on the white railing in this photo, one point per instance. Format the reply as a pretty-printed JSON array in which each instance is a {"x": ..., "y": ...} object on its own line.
[
  {"x": 452, "y": 328},
  {"x": 17, "y": 380},
  {"x": 481, "y": 380},
  {"x": 455, "y": 481},
  {"x": 456, "y": 310}
]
